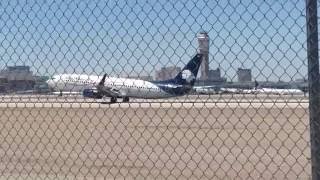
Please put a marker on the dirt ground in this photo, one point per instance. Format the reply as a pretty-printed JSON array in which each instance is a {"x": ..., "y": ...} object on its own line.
[{"x": 155, "y": 142}]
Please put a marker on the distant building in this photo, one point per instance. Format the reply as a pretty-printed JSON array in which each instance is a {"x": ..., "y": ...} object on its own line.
[
  {"x": 244, "y": 75},
  {"x": 167, "y": 73},
  {"x": 18, "y": 68},
  {"x": 214, "y": 79},
  {"x": 3, "y": 84},
  {"x": 17, "y": 73},
  {"x": 18, "y": 78},
  {"x": 215, "y": 75}
]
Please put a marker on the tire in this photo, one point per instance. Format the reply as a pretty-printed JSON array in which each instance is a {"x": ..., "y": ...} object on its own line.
[
  {"x": 113, "y": 99},
  {"x": 125, "y": 99}
]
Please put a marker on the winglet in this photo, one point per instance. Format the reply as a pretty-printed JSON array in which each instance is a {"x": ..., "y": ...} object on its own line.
[{"x": 101, "y": 83}]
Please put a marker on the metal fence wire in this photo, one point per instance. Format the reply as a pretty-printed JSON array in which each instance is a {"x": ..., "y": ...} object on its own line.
[{"x": 191, "y": 89}]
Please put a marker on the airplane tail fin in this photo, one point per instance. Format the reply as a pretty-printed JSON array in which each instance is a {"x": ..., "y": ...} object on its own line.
[{"x": 189, "y": 73}]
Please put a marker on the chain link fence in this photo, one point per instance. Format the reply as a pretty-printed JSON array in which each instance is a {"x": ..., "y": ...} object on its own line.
[{"x": 244, "y": 115}]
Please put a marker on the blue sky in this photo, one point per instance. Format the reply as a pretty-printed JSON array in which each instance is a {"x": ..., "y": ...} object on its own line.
[{"x": 139, "y": 37}]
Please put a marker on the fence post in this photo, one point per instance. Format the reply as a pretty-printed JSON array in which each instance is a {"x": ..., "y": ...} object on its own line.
[{"x": 314, "y": 91}]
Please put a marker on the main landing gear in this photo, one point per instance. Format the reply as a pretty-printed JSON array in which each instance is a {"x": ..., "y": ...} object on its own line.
[
  {"x": 113, "y": 100},
  {"x": 125, "y": 99}
]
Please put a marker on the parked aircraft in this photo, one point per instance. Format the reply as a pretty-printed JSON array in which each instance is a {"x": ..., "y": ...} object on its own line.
[
  {"x": 98, "y": 87},
  {"x": 280, "y": 91},
  {"x": 206, "y": 89}
]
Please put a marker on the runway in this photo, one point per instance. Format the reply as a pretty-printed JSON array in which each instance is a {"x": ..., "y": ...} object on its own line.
[{"x": 198, "y": 137}]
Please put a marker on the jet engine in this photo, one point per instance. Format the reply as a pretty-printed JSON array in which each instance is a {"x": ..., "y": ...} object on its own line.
[{"x": 91, "y": 93}]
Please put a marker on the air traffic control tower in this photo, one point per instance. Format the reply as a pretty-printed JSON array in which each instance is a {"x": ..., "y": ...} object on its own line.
[{"x": 203, "y": 40}]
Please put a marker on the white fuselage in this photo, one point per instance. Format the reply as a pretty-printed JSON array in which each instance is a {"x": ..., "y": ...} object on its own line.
[{"x": 124, "y": 86}]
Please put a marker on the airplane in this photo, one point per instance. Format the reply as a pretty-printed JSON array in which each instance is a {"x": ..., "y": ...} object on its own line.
[
  {"x": 93, "y": 86},
  {"x": 277, "y": 91},
  {"x": 206, "y": 89}
]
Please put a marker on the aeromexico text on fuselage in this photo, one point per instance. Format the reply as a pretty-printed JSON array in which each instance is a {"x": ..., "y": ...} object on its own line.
[{"x": 124, "y": 87}]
